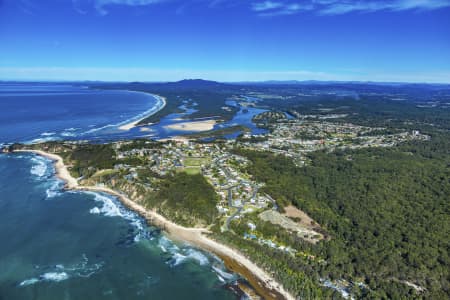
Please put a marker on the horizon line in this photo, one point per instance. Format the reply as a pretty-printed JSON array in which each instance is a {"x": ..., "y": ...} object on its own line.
[{"x": 269, "y": 81}]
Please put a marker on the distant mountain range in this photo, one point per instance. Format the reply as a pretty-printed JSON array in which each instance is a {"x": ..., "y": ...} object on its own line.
[{"x": 202, "y": 83}]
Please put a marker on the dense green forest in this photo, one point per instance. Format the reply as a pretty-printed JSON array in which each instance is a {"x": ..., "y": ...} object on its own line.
[
  {"x": 375, "y": 112},
  {"x": 385, "y": 209},
  {"x": 187, "y": 199},
  {"x": 297, "y": 275}
]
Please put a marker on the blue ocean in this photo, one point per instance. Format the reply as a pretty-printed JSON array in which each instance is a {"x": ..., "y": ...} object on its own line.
[
  {"x": 41, "y": 112},
  {"x": 59, "y": 244},
  {"x": 37, "y": 112}
]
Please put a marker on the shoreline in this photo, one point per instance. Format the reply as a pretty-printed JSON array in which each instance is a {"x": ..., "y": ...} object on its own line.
[
  {"x": 133, "y": 124},
  {"x": 262, "y": 282}
]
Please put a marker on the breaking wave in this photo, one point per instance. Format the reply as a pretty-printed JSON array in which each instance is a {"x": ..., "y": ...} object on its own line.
[
  {"x": 180, "y": 255},
  {"x": 60, "y": 272},
  {"x": 111, "y": 207},
  {"x": 42, "y": 140},
  {"x": 160, "y": 103},
  {"x": 108, "y": 208},
  {"x": 68, "y": 134},
  {"x": 54, "y": 189},
  {"x": 197, "y": 256},
  {"x": 50, "y": 276},
  {"x": 223, "y": 275},
  {"x": 40, "y": 166},
  {"x": 48, "y": 133}
]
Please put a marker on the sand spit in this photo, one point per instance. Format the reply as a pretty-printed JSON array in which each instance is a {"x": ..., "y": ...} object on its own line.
[
  {"x": 203, "y": 125},
  {"x": 133, "y": 124}
]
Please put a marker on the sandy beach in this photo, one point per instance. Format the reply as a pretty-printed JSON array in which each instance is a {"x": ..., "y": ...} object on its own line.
[
  {"x": 133, "y": 124},
  {"x": 259, "y": 279},
  {"x": 203, "y": 125},
  {"x": 60, "y": 168}
]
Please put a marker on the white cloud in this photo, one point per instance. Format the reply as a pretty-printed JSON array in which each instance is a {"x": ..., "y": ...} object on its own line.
[
  {"x": 266, "y": 5},
  {"x": 338, "y": 7},
  {"x": 101, "y": 6},
  {"x": 279, "y": 7},
  {"x": 270, "y": 8}
]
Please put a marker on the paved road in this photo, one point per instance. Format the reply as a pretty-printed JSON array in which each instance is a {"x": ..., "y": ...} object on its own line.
[{"x": 227, "y": 223}]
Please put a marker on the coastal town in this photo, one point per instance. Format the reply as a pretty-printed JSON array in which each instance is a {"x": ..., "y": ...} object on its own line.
[
  {"x": 239, "y": 194},
  {"x": 138, "y": 167}
]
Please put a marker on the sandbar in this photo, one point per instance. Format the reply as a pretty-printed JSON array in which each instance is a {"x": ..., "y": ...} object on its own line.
[{"x": 203, "y": 125}]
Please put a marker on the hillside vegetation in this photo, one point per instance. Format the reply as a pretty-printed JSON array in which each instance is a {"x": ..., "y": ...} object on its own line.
[
  {"x": 385, "y": 209},
  {"x": 187, "y": 199}
]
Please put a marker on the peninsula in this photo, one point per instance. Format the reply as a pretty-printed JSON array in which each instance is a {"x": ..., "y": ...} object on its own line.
[{"x": 263, "y": 283}]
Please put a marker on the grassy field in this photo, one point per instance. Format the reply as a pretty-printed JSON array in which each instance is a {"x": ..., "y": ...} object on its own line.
[
  {"x": 196, "y": 161},
  {"x": 192, "y": 170},
  {"x": 192, "y": 165}
]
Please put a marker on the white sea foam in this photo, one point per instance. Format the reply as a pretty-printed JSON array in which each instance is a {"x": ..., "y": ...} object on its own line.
[
  {"x": 197, "y": 256},
  {"x": 157, "y": 107},
  {"x": 184, "y": 255},
  {"x": 95, "y": 210},
  {"x": 224, "y": 275},
  {"x": 139, "y": 225},
  {"x": 42, "y": 140},
  {"x": 167, "y": 245},
  {"x": 109, "y": 208},
  {"x": 54, "y": 276},
  {"x": 60, "y": 272},
  {"x": 39, "y": 167},
  {"x": 68, "y": 134},
  {"x": 29, "y": 282},
  {"x": 54, "y": 189},
  {"x": 181, "y": 255},
  {"x": 100, "y": 128},
  {"x": 48, "y": 133},
  {"x": 177, "y": 259},
  {"x": 50, "y": 276},
  {"x": 112, "y": 207}
]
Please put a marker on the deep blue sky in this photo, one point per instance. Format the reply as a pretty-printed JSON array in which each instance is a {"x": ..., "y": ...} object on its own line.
[{"x": 227, "y": 40}]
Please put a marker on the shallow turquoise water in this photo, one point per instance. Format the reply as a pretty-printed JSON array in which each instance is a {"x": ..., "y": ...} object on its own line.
[{"x": 78, "y": 245}]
